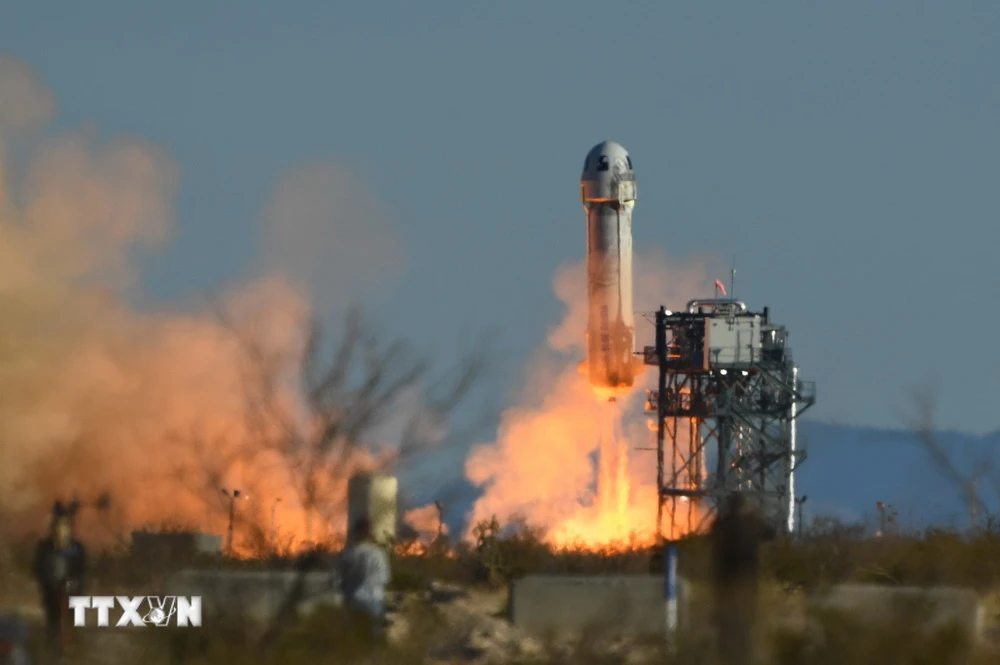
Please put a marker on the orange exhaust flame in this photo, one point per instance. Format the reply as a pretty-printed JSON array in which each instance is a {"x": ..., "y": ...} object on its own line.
[{"x": 568, "y": 459}]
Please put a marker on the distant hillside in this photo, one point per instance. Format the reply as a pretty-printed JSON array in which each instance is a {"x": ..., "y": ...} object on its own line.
[{"x": 847, "y": 471}]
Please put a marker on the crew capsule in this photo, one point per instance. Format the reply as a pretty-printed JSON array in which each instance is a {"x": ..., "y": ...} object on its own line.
[{"x": 607, "y": 175}]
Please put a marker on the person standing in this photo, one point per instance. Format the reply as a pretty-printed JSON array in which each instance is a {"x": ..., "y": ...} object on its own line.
[
  {"x": 736, "y": 537},
  {"x": 364, "y": 575},
  {"x": 60, "y": 564}
]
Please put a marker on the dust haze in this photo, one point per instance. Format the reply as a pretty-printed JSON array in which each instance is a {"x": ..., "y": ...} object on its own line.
[
  {"x": 324, "y": 228},
  {"x": 149, "y": 403}
]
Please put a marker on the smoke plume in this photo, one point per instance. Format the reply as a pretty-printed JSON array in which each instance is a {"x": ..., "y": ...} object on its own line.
[
  {"x": 564, "y": 461},
  {"x": 149, "y": 405},
  {"x": 325, "y": 229},
  {"x": 25, "y": 105}
]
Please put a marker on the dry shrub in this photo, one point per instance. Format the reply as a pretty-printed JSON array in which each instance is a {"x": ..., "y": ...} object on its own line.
[
  {"x": 830, "y": 554},
  {"x": 842, "y": 553},
  {"x": 837, "y": 638}
]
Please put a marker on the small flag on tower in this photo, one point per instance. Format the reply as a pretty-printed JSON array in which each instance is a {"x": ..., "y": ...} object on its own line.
[{"x": 719, "y": 286}]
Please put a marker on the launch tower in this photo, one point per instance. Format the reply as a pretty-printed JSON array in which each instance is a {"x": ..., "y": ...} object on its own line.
[{"x": 725, "y": 407}]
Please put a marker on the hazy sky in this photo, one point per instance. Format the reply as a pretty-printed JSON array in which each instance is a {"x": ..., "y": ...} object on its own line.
[{"x": 847, "y": 154}]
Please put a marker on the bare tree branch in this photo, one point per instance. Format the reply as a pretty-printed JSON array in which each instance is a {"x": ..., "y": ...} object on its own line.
[
  {"x": 348, "y": 390},
  {"x": 924, "y": 427}
]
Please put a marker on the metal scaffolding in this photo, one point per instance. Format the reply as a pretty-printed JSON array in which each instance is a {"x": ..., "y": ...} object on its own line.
[{"x": 725, "y": 407}]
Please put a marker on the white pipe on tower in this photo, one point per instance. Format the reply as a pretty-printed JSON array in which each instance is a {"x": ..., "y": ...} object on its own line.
[{"x": 792, "y": 449}]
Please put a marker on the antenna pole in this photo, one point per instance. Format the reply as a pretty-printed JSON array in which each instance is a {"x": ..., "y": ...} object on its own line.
[{"x": 732, "y": 281}]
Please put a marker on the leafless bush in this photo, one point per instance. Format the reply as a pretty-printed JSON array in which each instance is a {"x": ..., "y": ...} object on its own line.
[
  {"x": 350, "y": 389},
  {"x": 315, "y": 418},
  {"x": 969, "y": 484}
]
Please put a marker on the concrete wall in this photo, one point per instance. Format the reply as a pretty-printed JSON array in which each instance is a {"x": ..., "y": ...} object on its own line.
[
  {"x": 163, "y": 548},
  {"x": 375, "y": 498},
  {"x": 255, "y": 595},
  {"x": 933, "y": 607},
  {"x": 561, "y": 604}
]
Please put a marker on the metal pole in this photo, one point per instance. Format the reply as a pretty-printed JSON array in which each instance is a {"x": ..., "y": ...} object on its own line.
[
  {"x": 670, "y": 593},
  {"x": 661, "y": 360},
  {"x": 973, "y": 504},
  {"x": 440, "y": 512},
  {"x": 232, "y": 514},
  {"x": 274, "y": 524}
]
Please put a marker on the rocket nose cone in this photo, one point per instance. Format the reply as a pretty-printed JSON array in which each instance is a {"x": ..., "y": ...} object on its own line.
[
  {"x": 609, "y": 148},
  {"x": 605, "y": 159}
]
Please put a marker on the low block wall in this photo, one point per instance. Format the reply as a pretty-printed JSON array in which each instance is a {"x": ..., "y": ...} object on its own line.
[
  {"x": 256, "y": 595},
  {"x": 560, "y": 604}
]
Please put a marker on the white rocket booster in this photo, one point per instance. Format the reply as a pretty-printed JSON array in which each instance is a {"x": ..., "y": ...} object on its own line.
[{"x": 608, "y": 192}]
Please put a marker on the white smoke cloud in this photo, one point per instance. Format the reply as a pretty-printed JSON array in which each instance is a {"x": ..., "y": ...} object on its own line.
[
  {"x": 26, "y": 105},
  {"x": 325, "y": 228},
  {"x": 98, "y": 395}
]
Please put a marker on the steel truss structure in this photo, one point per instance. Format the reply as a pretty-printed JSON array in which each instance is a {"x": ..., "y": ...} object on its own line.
[{"x": 724, "y": 410}]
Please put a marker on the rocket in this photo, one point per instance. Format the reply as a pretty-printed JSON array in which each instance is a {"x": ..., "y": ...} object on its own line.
[{"x": 608, "y": 193}]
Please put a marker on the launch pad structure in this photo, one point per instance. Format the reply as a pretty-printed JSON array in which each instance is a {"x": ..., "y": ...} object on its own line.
[{"x": 727, "y": 389}]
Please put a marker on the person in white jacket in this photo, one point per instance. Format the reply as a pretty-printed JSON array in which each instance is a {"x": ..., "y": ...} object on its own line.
[{"x": 365, "y": 574}]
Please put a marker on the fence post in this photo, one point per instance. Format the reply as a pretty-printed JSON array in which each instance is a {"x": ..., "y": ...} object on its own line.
[{"x": 670, "y": 592}]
